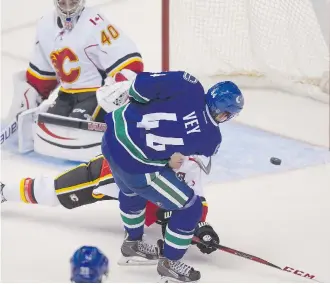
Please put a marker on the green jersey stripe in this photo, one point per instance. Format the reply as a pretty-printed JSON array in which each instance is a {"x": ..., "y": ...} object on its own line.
[
  {"x": 136, "y": 95},
  {"x": 172, "y": 191},
  {"x": 172, "y": 186},
  {"x": 150, "y": 178}
]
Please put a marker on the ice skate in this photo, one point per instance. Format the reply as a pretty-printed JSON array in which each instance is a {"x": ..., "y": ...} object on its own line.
[
  {"x": 138, "y": 252},
  {"x": 3, "y": 199},
  {"x": 176, "y": 271}
]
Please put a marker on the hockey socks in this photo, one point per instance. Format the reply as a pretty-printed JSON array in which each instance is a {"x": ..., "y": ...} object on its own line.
[
  {"x": 180, "y": 230},
  {"x": 132, "y": 212}
]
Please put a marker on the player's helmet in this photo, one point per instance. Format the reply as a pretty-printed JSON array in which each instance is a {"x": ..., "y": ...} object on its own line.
[
  {"x": 224, "y": 101},
  {"x": 69, "y": 11},
  {"x": 88, "y": 265}
]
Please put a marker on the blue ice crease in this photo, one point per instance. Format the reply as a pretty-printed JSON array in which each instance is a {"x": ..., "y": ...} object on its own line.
[{"x": 245, "y": 152}]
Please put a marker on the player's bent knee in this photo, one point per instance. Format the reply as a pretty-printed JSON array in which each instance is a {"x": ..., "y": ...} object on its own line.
[
  {"x": 195, "y": 207},
  {"x": 193, "y": 200},
  {"x": 193, "y": 203},
  {"x": 191, "y": 214}
]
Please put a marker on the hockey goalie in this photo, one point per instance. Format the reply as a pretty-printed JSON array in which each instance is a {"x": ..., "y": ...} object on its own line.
[{"x": 77, "y": 50}]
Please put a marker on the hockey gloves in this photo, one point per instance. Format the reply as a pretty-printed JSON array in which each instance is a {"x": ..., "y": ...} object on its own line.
[
  {"x": 162, "y": 218},
  {"x": 205, "y": 232}
]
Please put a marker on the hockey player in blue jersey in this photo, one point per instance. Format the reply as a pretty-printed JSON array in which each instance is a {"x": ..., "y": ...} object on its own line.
[{"x": 168, "y": 116}]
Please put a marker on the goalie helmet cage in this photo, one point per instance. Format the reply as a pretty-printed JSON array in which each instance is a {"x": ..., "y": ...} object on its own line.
[{"x": 256, "y": 43}]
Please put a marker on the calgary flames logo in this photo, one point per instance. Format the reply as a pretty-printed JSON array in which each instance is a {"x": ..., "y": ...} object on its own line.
[{"x": 58, "y": 59}]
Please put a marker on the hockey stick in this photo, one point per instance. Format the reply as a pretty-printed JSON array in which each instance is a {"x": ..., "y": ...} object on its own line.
[
  {"x": 257, "y": 259},
  {"x": 72, "y": 122}
]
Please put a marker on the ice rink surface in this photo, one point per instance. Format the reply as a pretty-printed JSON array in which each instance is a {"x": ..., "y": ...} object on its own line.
[{"x": 279, "y": 213}]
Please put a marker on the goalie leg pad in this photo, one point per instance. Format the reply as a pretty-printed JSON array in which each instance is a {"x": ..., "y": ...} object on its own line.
[
  {"x": 24, "y": 97},
  {"x": 82, "y": 184},
  {"x": 67, "y": 138}
]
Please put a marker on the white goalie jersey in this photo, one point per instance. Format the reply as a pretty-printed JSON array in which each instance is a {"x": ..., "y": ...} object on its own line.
[{"x": 79, "y": 59}]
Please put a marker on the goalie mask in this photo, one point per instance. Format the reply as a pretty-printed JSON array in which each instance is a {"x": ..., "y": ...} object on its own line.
[{"x": 69, "y": 11}]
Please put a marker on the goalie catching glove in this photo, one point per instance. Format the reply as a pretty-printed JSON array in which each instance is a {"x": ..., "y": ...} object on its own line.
[{"x": 114, "y": 93}]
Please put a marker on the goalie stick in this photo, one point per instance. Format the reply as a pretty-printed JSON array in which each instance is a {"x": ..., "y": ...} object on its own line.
[
  {"x": 72, "y": 122},
  {"x": 257, "y": 259},
  {"x": 11, "y": 128}
]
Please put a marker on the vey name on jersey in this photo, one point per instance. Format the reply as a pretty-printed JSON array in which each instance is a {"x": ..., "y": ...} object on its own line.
[{"x": 166, "y": 114}]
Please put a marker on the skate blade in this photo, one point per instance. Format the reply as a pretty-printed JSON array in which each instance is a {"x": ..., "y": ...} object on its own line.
[
  {"x": 165, "y": 279},
  {"x": 136, "y": 261}
]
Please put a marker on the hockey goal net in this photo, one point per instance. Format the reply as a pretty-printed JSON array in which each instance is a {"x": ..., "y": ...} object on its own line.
[{"x": 256, "y": 43}]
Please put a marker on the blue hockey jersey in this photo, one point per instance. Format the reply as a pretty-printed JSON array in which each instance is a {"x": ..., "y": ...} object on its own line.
[{"x": 167, "y": 113}]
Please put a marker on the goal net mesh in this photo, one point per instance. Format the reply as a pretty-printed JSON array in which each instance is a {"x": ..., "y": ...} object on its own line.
[{"x": 256, "y": 43}]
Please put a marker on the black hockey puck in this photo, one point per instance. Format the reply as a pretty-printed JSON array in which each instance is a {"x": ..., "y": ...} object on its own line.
[{"x": 275, "y": 161}]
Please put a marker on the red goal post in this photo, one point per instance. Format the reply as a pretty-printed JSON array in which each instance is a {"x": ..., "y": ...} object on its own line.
[{"x": 257, "y": 43}]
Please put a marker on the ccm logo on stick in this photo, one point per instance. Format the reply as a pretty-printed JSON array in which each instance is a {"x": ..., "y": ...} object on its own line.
[{"x": 298, "y": 272}]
